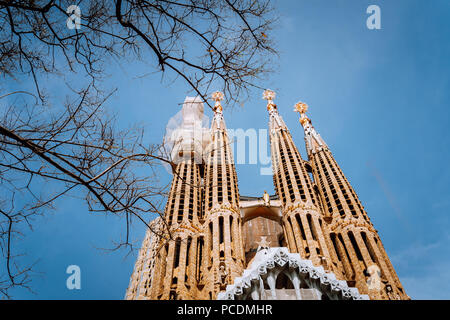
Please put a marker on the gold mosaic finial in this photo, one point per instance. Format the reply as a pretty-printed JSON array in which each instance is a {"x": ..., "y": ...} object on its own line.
[
  {"x": 269, "y": 95},
  {"x": 217, "y": 96},
  {"x": 301, "y": 108}
]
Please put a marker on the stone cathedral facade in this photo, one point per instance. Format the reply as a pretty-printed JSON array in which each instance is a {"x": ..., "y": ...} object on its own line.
[{"x": 311, "y": 240}]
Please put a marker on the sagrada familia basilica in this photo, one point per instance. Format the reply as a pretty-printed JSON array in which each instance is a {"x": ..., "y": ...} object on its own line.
[{"x": 311, "y": 240}]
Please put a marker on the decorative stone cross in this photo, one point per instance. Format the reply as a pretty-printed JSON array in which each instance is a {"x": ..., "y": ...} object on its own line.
[{"x": 263, "y": 243}]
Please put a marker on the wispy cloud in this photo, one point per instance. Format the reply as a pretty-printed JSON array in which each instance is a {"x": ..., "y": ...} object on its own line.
[
  {"x": 441, "y": 204},
  {"x": 430, "y": 284},
  {"x": 425, "y": 269},
  {"x": 414, "y": 252},
  {"x": 390, "y": 197}
]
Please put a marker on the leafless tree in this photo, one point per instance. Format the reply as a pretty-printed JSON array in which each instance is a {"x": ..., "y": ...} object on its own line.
[
  {"x": 225, "y": 43},
  {"x": 209, "y": 44}
]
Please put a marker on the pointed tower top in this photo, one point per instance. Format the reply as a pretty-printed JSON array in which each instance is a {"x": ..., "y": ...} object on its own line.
[
  {"x": 314, "y": 141},
  {"x": 217, "y": 96},
  {"x": 269, "y": 95},
  {"x": 301, "y": 108},
  {"x": 218, "y": 121},
  {"x": 275, "y": 120}
]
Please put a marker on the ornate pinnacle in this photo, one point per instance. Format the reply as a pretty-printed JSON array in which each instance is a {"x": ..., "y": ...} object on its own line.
[
  {"x": 217, "y": 97},
  {"x": 301, "y": 108},
  {"x": 269, "y": 95}
]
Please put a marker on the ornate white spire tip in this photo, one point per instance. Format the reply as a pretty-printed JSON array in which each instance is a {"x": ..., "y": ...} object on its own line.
[
  {"x": 301, "y": 107},
  {"x": 217, "y": 96},
  {"x": 269, "y": 95}
]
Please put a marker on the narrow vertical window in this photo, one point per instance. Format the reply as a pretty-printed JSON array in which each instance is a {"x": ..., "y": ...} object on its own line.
[
  {"x": 333, "y": 240},
  {"x": 311, "y": 226},
  {"x": 231, "y": 228},
  {"x": 220, "y": 229},
  {"x": 176, "y": 260},
  {"x": 189, "y": 241},
  {"x": 368, "y": 246},
  {"x": 299, "y": 222},
  {"x": 355, "y": 246},
  {"x": 200, "y": 244}
]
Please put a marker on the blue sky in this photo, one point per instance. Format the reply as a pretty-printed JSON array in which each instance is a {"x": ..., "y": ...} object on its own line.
[{"x": 379, "y": 98}]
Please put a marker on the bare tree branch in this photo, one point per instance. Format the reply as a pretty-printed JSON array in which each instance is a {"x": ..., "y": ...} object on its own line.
[{"x": 76, "y": 146}]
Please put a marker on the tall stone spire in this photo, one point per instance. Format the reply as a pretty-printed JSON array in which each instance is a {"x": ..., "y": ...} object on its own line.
[
  {"x": 222, "y": 225},
  {"x": 302, "y": 218},
  {"x": 356, "y": 246}
]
